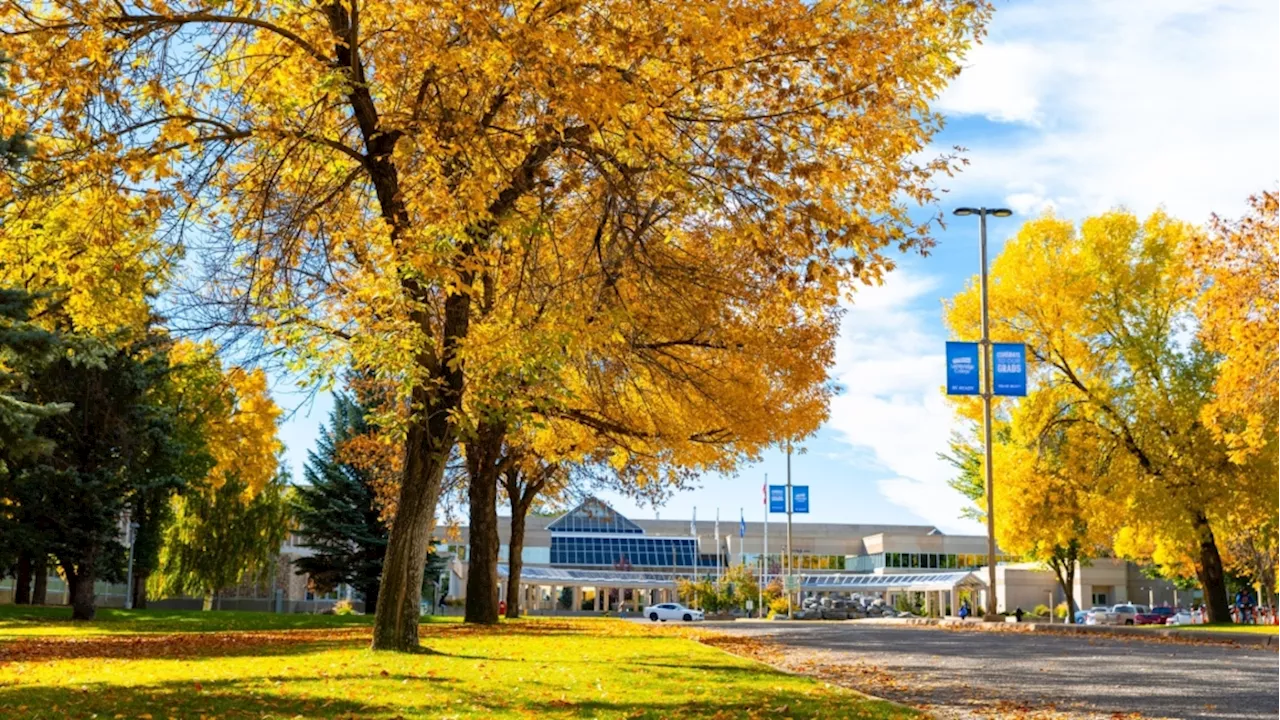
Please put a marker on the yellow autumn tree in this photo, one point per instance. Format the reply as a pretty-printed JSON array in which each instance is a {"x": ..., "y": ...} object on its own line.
[
  {"x": 232, "y": 520},
  {"x": 90, "y": 251},
  {"x": 355, "y": 165},
  {"x": 233, "y": 408},
  {"x": 1105, "y": 310},
  {"x": 1052, "y": 494},
  {"x": 1236, "y": 267},
  {"x": 688, "y": 362}
]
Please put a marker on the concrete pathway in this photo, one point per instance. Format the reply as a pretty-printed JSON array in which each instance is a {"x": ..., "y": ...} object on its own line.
[{"x": 973, "y": 674}]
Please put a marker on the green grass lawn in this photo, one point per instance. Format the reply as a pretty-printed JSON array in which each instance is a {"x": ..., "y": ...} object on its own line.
[
  {"x": 319, "y": 667},
  {"x": 1225, "y": 627}
]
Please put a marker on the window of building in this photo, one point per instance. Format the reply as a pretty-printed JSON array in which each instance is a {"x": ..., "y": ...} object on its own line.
[{"x": 633, "y": 550}]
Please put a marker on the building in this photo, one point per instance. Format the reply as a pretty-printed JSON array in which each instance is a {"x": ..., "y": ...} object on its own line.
[
  {"x": 593, "y": 559},
  {"x": 277, "y": 588}
]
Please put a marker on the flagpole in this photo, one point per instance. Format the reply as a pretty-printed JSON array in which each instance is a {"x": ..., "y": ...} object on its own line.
[
  {"x": 717, "y": 547},
  {"x": 742, "y": 537},
  {"x": 693, "y": 532}
]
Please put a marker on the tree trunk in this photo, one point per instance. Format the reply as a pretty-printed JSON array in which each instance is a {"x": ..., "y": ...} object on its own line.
[
  {"x": 1069, "y": 590},
  {"x": 22, "y": 582},
  {"x": 207, "y": 605},
  {"x": 427, "y": 447},
  {"x": 484, "y": 460},
  {"x": 1209, "y": 570},
  {"x": 40, "y": 580},
  {"x": 139, "y": 589},
  {"x": 370, "y": 593},
  {"x": 436, "y": 394},
  {"x": 81, "y": 585},
  {"x": 515, "y": 562}
]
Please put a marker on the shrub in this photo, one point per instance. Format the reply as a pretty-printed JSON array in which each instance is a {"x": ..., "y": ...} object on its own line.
[
  {"x": 1060, "y": 612},
  {"x": 343, "y": 607},
  {"x": 1041, "y": 610},
  {"x": 909, "y": 602},
  {"x": 778, "y": 605}
]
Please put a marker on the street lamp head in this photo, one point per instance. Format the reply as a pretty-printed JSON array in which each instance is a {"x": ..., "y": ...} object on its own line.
[
  {"x": 964, "y": 211},
  {"x": 1000, "y": 212}
]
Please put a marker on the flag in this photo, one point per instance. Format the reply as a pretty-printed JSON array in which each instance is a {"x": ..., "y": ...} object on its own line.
[{"x": 742, "y": 524}]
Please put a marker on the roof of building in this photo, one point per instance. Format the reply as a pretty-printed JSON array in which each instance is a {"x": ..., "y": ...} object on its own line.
[
  {"x": 593, "y": 515},
  {"x": 914, "y": 583}
]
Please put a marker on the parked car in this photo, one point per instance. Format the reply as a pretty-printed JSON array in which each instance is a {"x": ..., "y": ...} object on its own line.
[
  {"x": 1123, "y": 614},
  {"x": 1181, "y": 617},
  {"x": 1082, "y": 616},
  {"x": 672, "y": 611},
  {"x": 1157, "y": 616}
]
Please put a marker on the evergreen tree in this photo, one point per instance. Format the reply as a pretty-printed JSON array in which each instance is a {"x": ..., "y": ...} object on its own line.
[
  {"x": 335, "y": 511},
  {"x": 114, "y": 442},
  {"x": 24, "y": 348}
]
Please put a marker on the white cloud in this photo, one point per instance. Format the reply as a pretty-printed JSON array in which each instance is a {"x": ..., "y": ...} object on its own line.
[
  {"x": 1141, "y": 104},
  {"x": 891, "y": 367}
]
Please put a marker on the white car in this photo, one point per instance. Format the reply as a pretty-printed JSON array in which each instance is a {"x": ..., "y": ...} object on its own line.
[
  {"x": 1182, "y": 617},
  {"x": 672, "y": 611},
  {"x": 1122, "y": 614}
]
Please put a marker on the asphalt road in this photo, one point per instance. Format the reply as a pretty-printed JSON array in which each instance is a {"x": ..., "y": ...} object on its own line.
[{"x": 971, "y": 674}]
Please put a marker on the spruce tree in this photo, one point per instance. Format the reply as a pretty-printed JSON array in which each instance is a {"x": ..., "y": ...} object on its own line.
[{"x": 335, "y": 511}]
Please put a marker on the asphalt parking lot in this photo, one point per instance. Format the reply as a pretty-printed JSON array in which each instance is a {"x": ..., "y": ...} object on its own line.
[{"x": 972, "y": 674}]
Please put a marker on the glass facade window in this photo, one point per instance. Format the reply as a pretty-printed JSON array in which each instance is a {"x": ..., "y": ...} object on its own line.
[
  {"x": 632, "y": 550},
  {"x": 923, "y": 561},
  {"x": 803, "y": 561}
]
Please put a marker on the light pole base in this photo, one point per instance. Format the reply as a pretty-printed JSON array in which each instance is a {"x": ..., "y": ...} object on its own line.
[{"x": 992, "y": 617}]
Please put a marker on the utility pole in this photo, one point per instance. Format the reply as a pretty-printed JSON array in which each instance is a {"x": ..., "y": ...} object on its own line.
[
  {"x": 790, "y": 558},
  {"x": 987, "y": 393}
]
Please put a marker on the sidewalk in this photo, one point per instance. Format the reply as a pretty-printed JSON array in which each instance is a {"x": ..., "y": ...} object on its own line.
[{"x": 1147, "y": 631}]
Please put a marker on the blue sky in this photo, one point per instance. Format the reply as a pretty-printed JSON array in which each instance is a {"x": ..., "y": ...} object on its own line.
[{"x": 1077, "y": 106}]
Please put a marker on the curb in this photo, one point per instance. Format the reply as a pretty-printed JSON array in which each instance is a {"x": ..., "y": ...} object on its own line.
[{"x": 1223, "y": 638}]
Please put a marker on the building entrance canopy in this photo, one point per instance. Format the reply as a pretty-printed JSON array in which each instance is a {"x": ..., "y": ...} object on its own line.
[
  {"x": 923, "y": 582},
  {"x": 833, "y": 582},
  {"x": 591, "y": 578}
]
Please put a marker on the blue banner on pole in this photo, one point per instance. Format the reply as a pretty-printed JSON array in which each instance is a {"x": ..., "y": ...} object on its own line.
[
  {"x": 777, "y": 498},
  {"x": 1009, "y": 376},
  {"x": 962, "y": 368},
  {"x": 799, "y": 498}
]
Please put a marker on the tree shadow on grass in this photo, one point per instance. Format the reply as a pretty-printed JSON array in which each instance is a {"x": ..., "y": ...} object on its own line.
[
  {"x": 177, "y": 700},
  {"x": 185, "y": 645}
]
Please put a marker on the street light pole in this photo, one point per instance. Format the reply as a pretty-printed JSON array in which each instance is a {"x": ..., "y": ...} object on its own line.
[
  {"x": 790, "y": 557},
  {"x": 128, "y": 583},
  {"x": 987, "y": 392}
]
